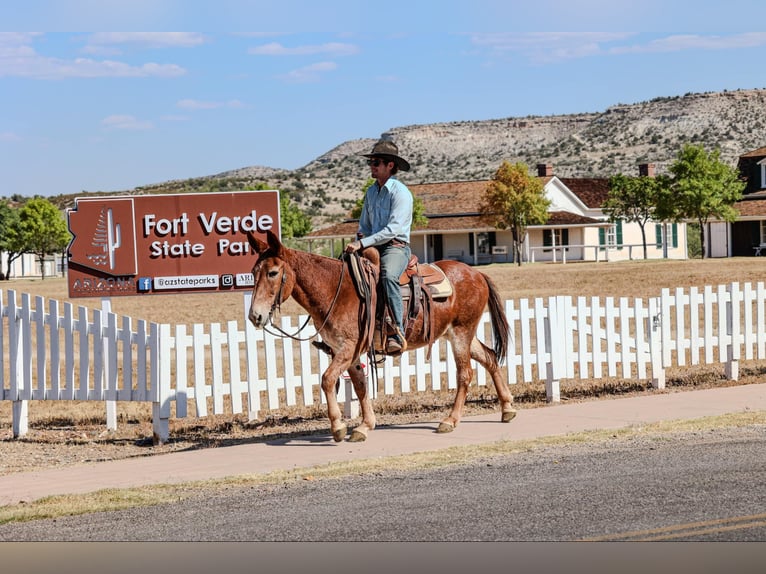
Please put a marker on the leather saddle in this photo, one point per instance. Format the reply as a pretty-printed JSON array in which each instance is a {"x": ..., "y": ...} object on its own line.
[{"x": 426, "y": 275}]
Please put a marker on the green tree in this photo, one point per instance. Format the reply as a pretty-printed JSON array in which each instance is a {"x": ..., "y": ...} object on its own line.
[
  {"x": 632, "y": 199},
  {"x": 43, "y": 229},
  {"x": 419, "y": 218},
  {"x": 11, "y": 240},
  {"x": 294, "y": 222},
  {"x": 514, "y": 200},
  {"x": 701, "y": 188}
]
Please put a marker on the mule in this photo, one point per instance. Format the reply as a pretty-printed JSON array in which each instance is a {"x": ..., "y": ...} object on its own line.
[{"x": 325, "y": 289}]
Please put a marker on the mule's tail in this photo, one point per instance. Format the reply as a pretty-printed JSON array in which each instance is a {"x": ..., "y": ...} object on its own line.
[{"x": 500, "y": 328}]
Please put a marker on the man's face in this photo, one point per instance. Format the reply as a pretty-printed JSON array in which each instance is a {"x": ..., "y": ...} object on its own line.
[{"x": 380, "y": 167}]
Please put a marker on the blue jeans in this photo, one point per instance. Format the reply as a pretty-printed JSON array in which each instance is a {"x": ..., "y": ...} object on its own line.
[{"x": 393, "y": 262}]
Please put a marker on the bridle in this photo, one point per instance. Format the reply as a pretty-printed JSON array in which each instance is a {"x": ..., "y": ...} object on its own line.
[{"x": 276, "y": 306}]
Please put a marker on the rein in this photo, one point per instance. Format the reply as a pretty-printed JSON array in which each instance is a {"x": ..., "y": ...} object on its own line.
[{"x": 276, "y": 306}]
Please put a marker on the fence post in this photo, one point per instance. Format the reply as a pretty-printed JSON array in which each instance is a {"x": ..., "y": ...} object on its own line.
[
  {"x": 731, "y": 368},
  {"x": 556, "y": 349},
  {"x": 160, "y": 381},
  {"x": 20, "y": 406},
  {"x": 111, "y": 405},
  {"x": 654, "y": 329}
]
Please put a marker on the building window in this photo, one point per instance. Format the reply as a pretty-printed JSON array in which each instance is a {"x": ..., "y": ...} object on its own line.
[
  {"x": 555, "y": 237},
  {"x": 659, "y": 230},
  {"x": 485, "y": 242},
  {"x": 610, "y": 236}
]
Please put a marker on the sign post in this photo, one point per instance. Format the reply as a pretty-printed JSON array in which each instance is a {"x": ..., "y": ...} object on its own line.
[{"x": 161, "y": 244}]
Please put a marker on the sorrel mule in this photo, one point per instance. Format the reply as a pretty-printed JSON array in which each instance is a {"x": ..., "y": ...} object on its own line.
[{"x": 326, "y": 291}]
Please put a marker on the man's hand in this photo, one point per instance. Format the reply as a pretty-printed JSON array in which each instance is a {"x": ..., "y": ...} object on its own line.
[{"x": 353, "y": 246}]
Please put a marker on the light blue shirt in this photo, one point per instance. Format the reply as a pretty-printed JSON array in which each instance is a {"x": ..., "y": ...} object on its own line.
[{"x": 386, "y": 213}]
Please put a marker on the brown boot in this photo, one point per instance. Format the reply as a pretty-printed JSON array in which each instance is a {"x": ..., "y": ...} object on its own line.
[
  {"x": 396, "y": 344},
  {"x": 393, "y": 346}
]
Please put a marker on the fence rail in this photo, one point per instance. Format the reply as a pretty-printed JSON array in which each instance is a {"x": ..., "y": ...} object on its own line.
[{"x": 55, "y": 351}]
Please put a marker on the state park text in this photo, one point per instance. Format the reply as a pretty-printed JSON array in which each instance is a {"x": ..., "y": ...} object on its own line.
[{"x": 171, "y": 232}]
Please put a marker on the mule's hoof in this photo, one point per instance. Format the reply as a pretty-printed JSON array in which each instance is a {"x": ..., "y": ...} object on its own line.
[
  {"x": 357, "y": 436},
  {"x": 339, "y": 434},
  {"x": 445, "y": 427},
  {"x": 508, "y": 416}
]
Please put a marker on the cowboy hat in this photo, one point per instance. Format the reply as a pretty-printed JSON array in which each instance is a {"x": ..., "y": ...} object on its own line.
[{"x": 388, "y": 150}]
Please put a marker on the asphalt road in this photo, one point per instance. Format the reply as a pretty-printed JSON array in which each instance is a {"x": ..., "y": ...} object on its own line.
[{"x": 705, "y": 486}]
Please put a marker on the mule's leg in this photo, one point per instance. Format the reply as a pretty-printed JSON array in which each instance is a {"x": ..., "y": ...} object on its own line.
[
  {"x": 461, "y": 349},
  {"x": 359, "y": 380},
  {"x": 329, "y": 381},
  {"x": 486, "y": 358}
]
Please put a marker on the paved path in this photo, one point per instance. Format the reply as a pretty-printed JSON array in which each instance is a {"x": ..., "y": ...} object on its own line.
[{"x": 312, "y": 450}]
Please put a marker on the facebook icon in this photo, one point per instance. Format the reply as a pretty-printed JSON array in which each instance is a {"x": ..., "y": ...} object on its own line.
[{"x": 144, "y": 284}]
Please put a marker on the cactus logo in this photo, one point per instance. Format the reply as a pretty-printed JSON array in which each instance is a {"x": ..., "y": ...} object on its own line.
[{"x": 104, "y": 234}]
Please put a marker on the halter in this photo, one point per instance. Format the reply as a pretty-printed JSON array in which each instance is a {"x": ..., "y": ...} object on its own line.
[{"x": 278, "y": 301}]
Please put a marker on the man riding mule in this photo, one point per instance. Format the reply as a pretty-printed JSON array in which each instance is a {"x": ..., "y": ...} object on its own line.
[{"x": 344, "y": 309}]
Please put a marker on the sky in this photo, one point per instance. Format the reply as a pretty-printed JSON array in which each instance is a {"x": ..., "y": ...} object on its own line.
[{"x": 278, "y": 84}]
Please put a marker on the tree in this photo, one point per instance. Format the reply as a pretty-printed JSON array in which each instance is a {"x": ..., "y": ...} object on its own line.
[
  {"x": 419, "y": 218},
  {"x": 11, "y": 240},
  {"x": 632, "y": 199},
  {"x": 514, "y": 200},
  {"x": 701, "y": 188},
  {"x": 294, "y": 223},
  {"x": 43, "y": 229}
]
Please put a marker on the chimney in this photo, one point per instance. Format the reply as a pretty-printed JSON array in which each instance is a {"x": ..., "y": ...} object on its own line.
[
  {"x": 544, "y": 170},
  {"x": 646, "y": 169}
]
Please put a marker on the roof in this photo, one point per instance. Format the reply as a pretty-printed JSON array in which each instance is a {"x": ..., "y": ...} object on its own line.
[
  {"x": 592, "y": 191},
  {"x": 753, "y": 206},
  {"x": 454, "y": 206},
  {"x": 760, "y": 152}
]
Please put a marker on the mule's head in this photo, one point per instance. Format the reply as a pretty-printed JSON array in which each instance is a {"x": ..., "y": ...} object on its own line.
[{"x": 273, "y": 276}]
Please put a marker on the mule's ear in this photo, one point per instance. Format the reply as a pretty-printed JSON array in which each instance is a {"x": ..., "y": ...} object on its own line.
[
  {"x": 275, "y": 244},
  {"x": 257, "y": 245},
  {"x": 273, "y": 240}
]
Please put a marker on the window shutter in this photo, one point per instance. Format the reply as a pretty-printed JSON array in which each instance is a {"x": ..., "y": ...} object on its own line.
[
  {"x": 564, "y": 237},
  {"x": 675, "y": 235},
  {"x": 618, "y": 233},
  {"x": 658, "y": 234},
  {"x": 601, "y": 237}
]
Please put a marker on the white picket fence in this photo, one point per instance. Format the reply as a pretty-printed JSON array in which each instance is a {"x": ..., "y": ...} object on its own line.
[{"x": 57, "y": 351}]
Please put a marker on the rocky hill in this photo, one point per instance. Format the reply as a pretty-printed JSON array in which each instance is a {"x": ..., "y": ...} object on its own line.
[{"x": 598, "y": 144}]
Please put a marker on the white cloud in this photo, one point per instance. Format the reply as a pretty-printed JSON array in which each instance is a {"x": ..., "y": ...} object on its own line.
[
  {"x": 191, "y": 104},
  {"x": 18, "y": 58},
  {"x": 9, "y": 137},
  {"x": 544, "y": 47},
  {"x": 113, "y": 43},
  {"x": 126, "y": 122},
  {"x": 547, "y": 47},
  {"x": 311, "y": 73},
  {"x": 331, "y": 48},
  {"x": 148, "y": 39},
  {"x": 679, "y": 42}
]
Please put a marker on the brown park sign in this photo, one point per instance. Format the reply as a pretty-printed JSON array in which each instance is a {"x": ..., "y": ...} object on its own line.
[{"x": 175, "y": 243}]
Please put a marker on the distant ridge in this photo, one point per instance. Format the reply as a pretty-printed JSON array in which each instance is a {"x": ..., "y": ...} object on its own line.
[{"x": 597, "y": 144}]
